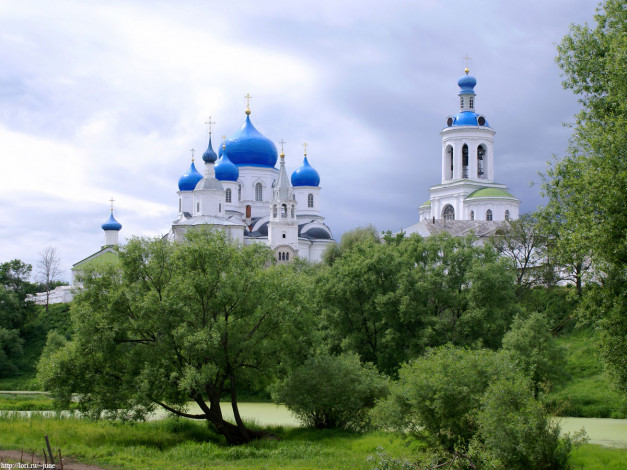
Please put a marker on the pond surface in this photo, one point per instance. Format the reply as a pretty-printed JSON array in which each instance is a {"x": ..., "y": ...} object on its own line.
[{"x": 602, "y": 431}]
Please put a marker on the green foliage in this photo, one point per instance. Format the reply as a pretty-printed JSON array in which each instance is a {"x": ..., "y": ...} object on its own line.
[
  {"x": 588, "y": 187},
  {"x": 441, "y": 393},
  {"x": 588, "y": 392},
  {"x": 26, "y": 402},
  {"x": 557, "y": 303},
  {"x": 332, "y": 391},
  {"x": 10, "y": 351},
  {"x": 389, "y": 301},
  {"x": 175, "y": 322},
  {"x": 516, "y": 429},
  {"x": 531, "y": 346}
]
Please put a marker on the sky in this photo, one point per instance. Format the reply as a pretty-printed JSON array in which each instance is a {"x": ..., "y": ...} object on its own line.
[{"x": 105, "y": 99}]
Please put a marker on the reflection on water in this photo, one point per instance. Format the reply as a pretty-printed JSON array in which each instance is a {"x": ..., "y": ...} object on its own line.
[{"x": 602, "y": 431}]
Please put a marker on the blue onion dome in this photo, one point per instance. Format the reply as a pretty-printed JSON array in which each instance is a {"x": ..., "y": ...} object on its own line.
[
  {"x": 112, "y": 224},
  {"x": 467, "y": 83},
  {"x": 188, "y": 181},
  {"x": 250, "y": 148},
  {"x": 209, "y": 156},
  {"x": 226, "y": 170},
  {"x": 305, "y": 175}
]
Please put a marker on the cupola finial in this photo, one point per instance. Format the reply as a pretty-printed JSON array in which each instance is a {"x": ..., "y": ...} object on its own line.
[
  {"x": 282, "y": 142},
  {"x": 248, "y": 97},
  {"x": 209, "y": 123},
  {"x": 305, "y": 147},
  {"x": 111, "y": 201},
  {"x": 192, "y": 150},
  {"x": 223, "y": 141}
]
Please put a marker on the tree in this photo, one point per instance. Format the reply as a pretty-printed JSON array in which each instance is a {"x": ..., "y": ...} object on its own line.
[
  {"x": 590, "y": 183},
  {"x": 530, "y": 345},
  {"x": 332, "y": 391},
  {"x": 48, "y": 270},
  {"x": 524, "y": 244},
  {"x": 173, "y": 323}
]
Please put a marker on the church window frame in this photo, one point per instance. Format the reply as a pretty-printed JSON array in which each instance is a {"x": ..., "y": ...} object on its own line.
[
  {"x": 219, "y": 207},
  {"x": 292, "y": 211},
  {"x": 471, "y": 103},
  {"x": 258, "y": 192},
  {"x": 239, "y": 192},
  {"x": 488, "y": 214},
  {"x": 472, "y": 215},
  {"x": 198, "y": 208},
  {"x": 448, "y": 212},
  {"x": 507, "y": 215},
  {"x": 465, "y": 161},
  {"x": 451, "y": 155},
  {"x": 461, "y": 102},
  {"x": 310, "y": 200},
  {"x": 227, "y": 195},
  {"x": 283, "y": 211},
  {"x": 274, "y": 211},
  {"x": 180, "y": 205}
]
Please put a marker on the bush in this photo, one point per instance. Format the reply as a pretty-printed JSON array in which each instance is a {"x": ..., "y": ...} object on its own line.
[
  {"x": 332, "y": 391},
  {"x": 530, "y": 346},
  {"x": 516, "y": 429},
  {"x": 478, "y": 410}
]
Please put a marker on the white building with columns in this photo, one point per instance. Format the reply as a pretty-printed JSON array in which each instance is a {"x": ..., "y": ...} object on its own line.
[{"x": 467, "y": 191}]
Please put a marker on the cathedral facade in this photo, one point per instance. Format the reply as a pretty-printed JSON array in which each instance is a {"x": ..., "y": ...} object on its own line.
[{"x": 242, "y": 193}]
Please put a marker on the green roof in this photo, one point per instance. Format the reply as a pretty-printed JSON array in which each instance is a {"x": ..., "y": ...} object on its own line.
[
  {"x": 490, "y": 192},
  {"x": 428, "y": 203}
]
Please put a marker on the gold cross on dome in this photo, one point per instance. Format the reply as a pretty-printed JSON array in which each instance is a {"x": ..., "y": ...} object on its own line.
[
  {"x": 282, "y": 142},
  {"x": 111, "y": 201},
  {"x": 248, "y": 97},
  {"x": 192, "y": 150},
  {"x": 305, "y": 147},
  {"x": 466, "y": 61},
  {"x": 224, "y": 141},
  {"x": 209, "y": 124}
]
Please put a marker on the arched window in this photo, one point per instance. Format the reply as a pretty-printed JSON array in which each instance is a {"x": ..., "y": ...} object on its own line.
[
  {"x": 480, "y": 161},
  {"x": 472, "y": 215},
  {"x": 507, "y": 215},
  {"x": 465, "y": 161},
  {"x": 197, "y": 207},
  {"x": 239, "y": 193},
  {"x": 287, "y": 256},
  {"x": 248, "y": 212},
  {"x": 449, "y": 153},
  {"x": 228, "y": 195},
  {"x": 448, "y": 213},
  {"x": 488, "y": 214},
  {"x": 180, "y": 205},
  {"x": 283, "y": 210},
  {"x": 219, "y": 207},
  {"x": 274, "y": 211},
  {"x": 292, "y": 212},
  {"x": 310, "y": 200},
  {"x": 258, "y": 192}
]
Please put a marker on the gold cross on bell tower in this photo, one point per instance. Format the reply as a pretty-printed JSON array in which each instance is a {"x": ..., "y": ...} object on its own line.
[
  {"x": 248, "y": 97},
  {"x": 192, "y": 150},
  {"x": 282, "y": 142},
  {"x": 111, "y": 201},
  {"x": 223, "y": 141},
  {"x": 305, "y": 147},
  {"x": 466, "y": 63}
]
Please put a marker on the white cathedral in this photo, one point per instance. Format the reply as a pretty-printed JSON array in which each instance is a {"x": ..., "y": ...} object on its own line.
[{"x": 242, "y": 193}]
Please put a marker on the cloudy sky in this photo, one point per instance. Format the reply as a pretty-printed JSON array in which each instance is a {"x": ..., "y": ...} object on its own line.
[{"x": 102, "y": 99}]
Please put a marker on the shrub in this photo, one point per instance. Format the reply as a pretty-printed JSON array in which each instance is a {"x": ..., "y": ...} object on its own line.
[{"x": 332, "y": 391}]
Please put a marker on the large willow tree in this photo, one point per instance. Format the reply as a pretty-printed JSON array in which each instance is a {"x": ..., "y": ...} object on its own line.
[{"x": 174, "y": 323}]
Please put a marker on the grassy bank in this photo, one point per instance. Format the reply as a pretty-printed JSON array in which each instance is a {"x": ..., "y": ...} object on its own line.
[
  {"x": 183, "y": 444},
  {"x": 588, "y": 391}
]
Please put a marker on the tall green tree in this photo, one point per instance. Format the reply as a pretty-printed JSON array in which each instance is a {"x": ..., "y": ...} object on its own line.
[
  {"x": 590, "y": 183},
  {"x": 175, "y": 323}
]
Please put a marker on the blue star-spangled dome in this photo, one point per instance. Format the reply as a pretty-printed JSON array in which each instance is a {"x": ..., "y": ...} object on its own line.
[
  {"x": 305, "y": 175},
  {"x": 112, "y": 224},
  {"x": 226, "y": 170},
  {"x": 188, "y": 181},
  {"x": 467, "y": 84},
  {"x": 250, "y": 148},
  {"x": 209, "y": 156},
  {"x": 469, "y": 118}
]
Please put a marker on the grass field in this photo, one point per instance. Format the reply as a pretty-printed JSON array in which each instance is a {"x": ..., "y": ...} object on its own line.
[{"x": 588, "y": 391}]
